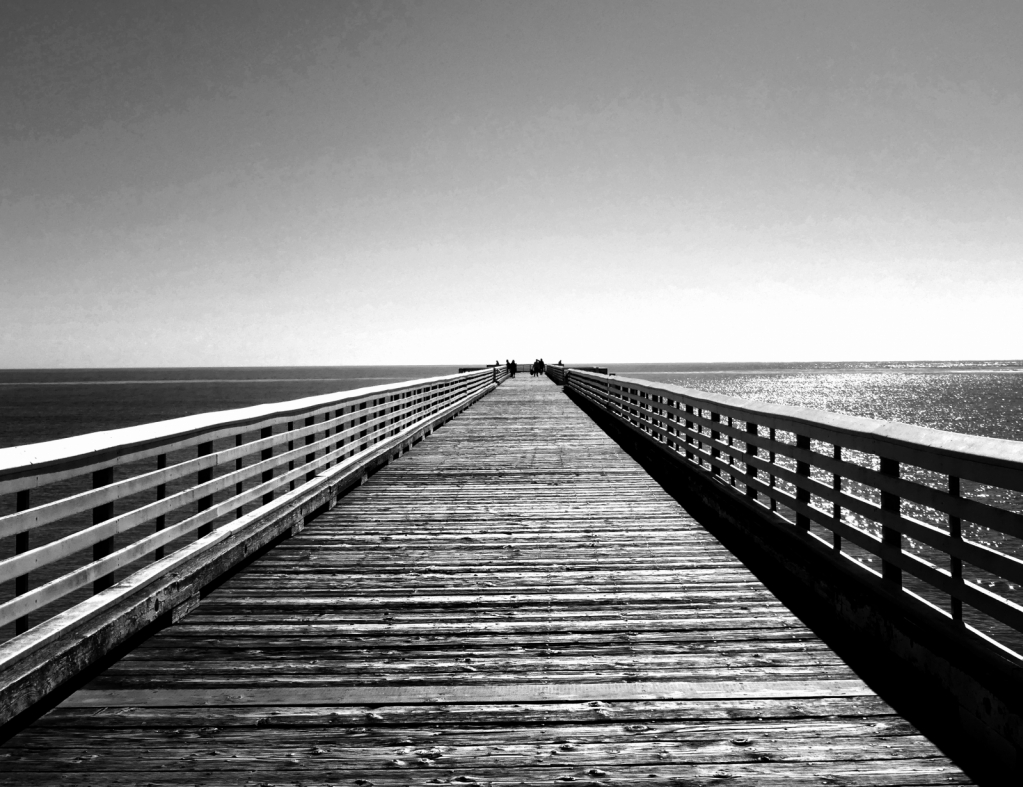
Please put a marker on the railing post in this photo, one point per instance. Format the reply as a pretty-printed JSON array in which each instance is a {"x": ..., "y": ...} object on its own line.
[
  {"x": 751, "y": 453},
  {"x": 102, "y": 513},
  {"x": 291, "y": 462},
  {"x": 22, "y": 502},
  {"x": 266, "y": 453},
  {"x": 955, "y": 530},
  {"x": 836, "y": 509},
  {"x": 802, "y": 493},
  {"x": 689, "y": 438},
  {"x": 731, "y": 456},
  {"x": 340, "y": 428},
  {"x": 715, "y": 452},
  {"x": 309, "y": 440},
  {"x": 700, "y": 444},
  {"x": 326, "y": 434},
  {"x": 772, "y": 479},
  {"x": 239, "y": 487},
  {"x": 161, "y": 493},
  {"x": 202, "y": 477},
  {"x": 891, "y": 539}
]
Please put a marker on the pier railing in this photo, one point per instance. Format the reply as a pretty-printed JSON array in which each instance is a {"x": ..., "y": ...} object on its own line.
[
  {"x": 926, "y": 516},
  {"x": 149, "y": 513}
]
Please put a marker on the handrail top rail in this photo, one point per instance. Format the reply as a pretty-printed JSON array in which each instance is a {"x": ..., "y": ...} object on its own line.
[
  {"x": 955, "y": 445},
  {"x": 92, "y": 447}
]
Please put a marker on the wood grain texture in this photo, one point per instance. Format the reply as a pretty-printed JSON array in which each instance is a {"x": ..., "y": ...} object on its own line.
[{"x": 515, "y": 601}]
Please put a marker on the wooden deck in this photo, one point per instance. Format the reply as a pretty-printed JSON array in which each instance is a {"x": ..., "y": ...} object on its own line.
[{"x": 514, "y": 601}]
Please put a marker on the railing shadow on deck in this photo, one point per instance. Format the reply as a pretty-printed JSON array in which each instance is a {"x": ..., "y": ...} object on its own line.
[
  {"x": 124, "y": 530},
  {"x": 909, "y": 538}
]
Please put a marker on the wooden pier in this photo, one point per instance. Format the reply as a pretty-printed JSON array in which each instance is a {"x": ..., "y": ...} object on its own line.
[{"x": 513, "y": 601}]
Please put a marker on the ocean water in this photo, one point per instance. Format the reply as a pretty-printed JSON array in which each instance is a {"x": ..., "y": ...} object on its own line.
[
  {"x": 984, "y": 398},
  {"x": 976, "y": 397},
  {"x": 38, "y": 405},
  {"x": 973, "y": 397}
]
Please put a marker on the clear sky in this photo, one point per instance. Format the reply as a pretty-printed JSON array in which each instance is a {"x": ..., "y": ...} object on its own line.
[{"x": 241, "y": 183}]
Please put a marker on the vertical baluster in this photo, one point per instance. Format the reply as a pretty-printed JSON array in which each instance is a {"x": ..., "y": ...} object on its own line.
[
  {"x": 771, "y": 481},
  {"x": 362, "y": 420},
  {"x": 802, "y": 492},
  {"x": 341, "y": 428},
  {"x": 731, "y": 456},
  {"x": 309, "y": 440},
  {"x": 715, "y": 452},
  {"x": 239, "y": 487},
  {"x": 291, "y": 463},
  {"x": 22, "y": 502},
  {"x": 102, "y": 513},
  {"x": 836, "y": 509},
  {"x": 326, "y": 435},
  {"x": 161, "y": 493},
  {"x": 267, "y": 453},
  {"x": 891, "y": 539},
  {"x": 202, "y": 477},
  {"x": 689, "y": 438},
  {"x": 751, "y": 453},
  {"x": 955, "y": 530},
  {"x": 699, "y": 439}
]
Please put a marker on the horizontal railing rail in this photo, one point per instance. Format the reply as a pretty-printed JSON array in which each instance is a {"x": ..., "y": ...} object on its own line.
[
  {"x": 936, "y": 517},
  {"x": 239, "y": 458}
]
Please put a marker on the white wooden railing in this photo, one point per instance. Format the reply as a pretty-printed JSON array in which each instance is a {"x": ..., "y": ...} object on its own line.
[
  {"x": 99, "y": 508},
  {"x": 932, "y": 516}
]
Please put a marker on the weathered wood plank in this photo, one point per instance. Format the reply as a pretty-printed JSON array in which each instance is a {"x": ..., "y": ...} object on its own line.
[
  {"x": 497, "y": 606},
  {"x": 518, "y": 692}
]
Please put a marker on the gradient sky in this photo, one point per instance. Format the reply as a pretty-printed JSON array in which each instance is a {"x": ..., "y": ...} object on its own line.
[{"x": 243, "y": 183}]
